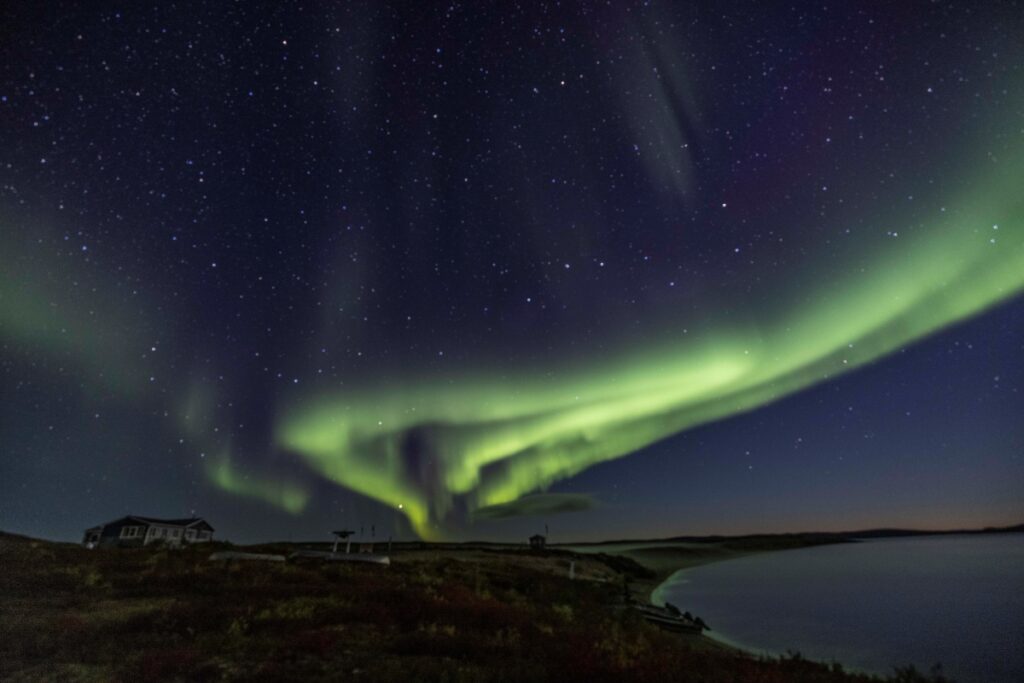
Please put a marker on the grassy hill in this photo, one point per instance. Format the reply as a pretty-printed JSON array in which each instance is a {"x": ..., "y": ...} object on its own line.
[{"x": 454, "y": 614}]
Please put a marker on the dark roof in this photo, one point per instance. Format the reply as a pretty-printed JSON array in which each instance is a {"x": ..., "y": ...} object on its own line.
[
  {"x": 540, "y": 536},
  {"x": 186, "y": 522},
  {"x": 189, "y": 521}
]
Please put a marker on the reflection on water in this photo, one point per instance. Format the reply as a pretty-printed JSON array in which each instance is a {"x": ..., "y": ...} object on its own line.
[{"x": 954, "y": 600}]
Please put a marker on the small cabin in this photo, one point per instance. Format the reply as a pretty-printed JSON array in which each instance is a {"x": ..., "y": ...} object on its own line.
[
  {"x": 537, "y": 542},
  {"x": 134, "y": 531}
]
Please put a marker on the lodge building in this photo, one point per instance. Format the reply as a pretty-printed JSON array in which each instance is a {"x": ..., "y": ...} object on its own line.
[{"x": 139, "y": 531}]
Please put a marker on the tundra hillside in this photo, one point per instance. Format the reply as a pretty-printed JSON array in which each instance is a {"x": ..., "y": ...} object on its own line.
[{"x": 472, "y": 614}]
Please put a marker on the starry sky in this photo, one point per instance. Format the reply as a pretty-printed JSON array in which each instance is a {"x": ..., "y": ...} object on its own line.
[{"x": 452, "y": 271}]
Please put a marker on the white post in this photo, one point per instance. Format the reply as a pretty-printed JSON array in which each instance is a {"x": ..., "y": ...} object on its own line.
[
  {"x": 348, "y": 545},
  {"x": 572, "y": 570}
]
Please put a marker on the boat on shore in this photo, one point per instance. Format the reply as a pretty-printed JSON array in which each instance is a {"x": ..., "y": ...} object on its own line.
[
  {"x": 339, "y": 557},
  {"x": 671, "y": 619},
  {"x": 229, "y": 556}
]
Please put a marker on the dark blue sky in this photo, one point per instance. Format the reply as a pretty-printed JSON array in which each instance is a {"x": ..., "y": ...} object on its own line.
[{"x": 213, "y": 215}]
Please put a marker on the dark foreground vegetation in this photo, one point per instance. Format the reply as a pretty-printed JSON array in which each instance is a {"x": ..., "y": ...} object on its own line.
[{"x": 154, "y": 614}]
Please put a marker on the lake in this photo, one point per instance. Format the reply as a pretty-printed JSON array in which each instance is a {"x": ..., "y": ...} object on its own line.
[{"x": 873, "y": 605}]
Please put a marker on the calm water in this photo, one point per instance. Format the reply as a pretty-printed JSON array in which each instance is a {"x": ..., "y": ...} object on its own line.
[{"x": 957, "y": 600}]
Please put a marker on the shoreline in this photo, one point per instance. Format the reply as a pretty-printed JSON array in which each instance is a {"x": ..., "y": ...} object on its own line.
[
  {"x": 666, "y": 559},
  {"x": 836, "y": 652}
]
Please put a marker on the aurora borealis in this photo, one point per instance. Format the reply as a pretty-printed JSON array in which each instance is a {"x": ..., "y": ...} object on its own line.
[
  {"x": 460, "y": 271},
  {"x": 498, "y": 439}
]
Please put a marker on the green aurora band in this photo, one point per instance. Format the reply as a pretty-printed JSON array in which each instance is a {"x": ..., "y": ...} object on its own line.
[
  {"x": 432, "y": 446},
  {"x": 285, "y": 495},
  {"x": 487, "y": 441},
  {"x": 55, "y": 310}
]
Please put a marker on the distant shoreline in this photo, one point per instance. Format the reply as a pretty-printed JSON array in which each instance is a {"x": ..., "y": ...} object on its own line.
[
  {"x": 823, "y": 536},
  {"x": 667, "y": 556},
  {"x": 885, "y": 532}
]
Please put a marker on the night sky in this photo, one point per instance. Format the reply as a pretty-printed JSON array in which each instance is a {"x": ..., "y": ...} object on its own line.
[{"x": 467, "y": 270}]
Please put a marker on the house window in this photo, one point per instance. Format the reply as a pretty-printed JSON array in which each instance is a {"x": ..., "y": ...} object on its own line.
[{"x": 176, "y": 533}]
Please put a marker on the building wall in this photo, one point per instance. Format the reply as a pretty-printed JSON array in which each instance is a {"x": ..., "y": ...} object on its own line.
[
  {"x": 114, "y": 534},
  {"x": 171, "y": 535},
  {"x": 131, "y": 533},
  {"x": 176, "y": 535}
]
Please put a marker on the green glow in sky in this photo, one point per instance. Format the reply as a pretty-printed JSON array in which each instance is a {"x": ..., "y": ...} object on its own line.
[
  {"x": 282, "y": 494},
  {"x": 489, "y": 439},
  {"x": 55, "y": 309}
]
